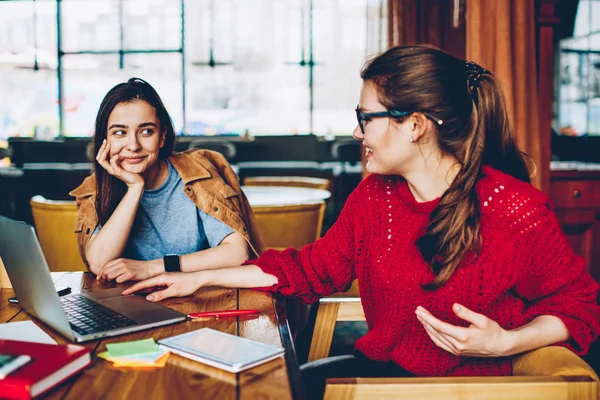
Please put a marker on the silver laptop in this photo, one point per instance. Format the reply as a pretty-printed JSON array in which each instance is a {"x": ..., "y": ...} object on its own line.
[{"x": 79, "y": 317}]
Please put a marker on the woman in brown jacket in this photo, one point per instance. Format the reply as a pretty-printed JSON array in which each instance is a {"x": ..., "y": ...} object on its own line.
[{"x": 147, "y": 210}]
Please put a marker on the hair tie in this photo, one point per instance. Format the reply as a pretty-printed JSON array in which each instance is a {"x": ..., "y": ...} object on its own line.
[{"x": 474, "y": 72}]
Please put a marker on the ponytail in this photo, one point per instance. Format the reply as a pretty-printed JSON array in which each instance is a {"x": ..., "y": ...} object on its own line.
[{"x": 453, "y": 233}]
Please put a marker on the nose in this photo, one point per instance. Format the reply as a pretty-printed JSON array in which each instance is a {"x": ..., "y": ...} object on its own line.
[
  {"x": 133, "y": 143},
  {"x": 357, "y": 133}
]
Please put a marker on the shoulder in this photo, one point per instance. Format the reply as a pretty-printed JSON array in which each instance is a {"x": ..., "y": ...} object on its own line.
[
  {"x": 511, "y": 202},
  {"x": 370, "y": 189},
  {"x": 87, "y": 188},
  {"x": 198, "y": 159}
]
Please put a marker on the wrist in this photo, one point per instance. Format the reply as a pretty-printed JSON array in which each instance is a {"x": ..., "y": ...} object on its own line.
[
  {"x": 158, "y": 266},
  {"x": 510, "y": 343},
  {"x": 202, "y": 278},
  {"x": 172, "y": 263},
  {"x": 137, "y": 188}
]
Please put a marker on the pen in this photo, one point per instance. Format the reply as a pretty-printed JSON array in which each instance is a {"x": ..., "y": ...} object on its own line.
[{"x": 227, "y": 313}]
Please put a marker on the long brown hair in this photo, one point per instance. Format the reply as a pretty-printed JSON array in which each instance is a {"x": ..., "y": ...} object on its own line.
[
  {"x": 110, "y": 190},
  {"x": 475, "y": 131}
]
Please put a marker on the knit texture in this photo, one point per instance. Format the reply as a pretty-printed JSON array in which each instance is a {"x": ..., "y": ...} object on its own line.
[{"x": 525, "y": 268}]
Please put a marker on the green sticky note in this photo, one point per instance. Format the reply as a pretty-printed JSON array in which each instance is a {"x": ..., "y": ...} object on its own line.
[{"x": 129, "y": 348}]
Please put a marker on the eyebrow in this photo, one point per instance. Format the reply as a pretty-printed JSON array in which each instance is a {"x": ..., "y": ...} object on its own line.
[{"x": 142, "y": 125}]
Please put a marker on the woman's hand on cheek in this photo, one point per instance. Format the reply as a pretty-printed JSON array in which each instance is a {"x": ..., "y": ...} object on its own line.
[
  {"x": 113, "y": 166},
  {"x": 483, "y": 338}
]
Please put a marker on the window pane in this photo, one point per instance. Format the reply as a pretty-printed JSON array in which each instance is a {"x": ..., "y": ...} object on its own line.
[
  {"x": 582, "y": 18},
  {"x": 228, "y": 100},
  {"x": 30, "y": 109},
  {"x": 151, "y": 24},
  {"x": 90, "y": 25},
  {"x": 345, "y": 36},
  {"x": 261, "y": 88},
  {"x": 82, "y": 95}
]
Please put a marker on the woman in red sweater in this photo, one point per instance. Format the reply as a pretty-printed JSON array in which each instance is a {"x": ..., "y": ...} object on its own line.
[{"x": 461, "y": 263}]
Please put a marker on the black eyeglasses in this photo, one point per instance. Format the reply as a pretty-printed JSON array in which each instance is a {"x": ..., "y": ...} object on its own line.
[{"x": 360, "y": 117}]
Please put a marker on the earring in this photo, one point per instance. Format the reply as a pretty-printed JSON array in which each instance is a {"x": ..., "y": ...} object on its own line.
[{"x": 411, "y": 139}]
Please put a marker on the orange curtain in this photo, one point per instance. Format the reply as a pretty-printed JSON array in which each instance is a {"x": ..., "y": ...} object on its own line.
[{"x": 501, "y": 38}]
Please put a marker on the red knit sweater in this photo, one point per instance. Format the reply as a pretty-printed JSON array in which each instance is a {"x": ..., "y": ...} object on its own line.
[{"x": 525, "y": 269}]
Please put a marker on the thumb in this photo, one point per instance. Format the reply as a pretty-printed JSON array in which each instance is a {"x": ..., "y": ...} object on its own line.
[
  {"x": 464, "y": 313},
  {"x": 148, "y": 283}
]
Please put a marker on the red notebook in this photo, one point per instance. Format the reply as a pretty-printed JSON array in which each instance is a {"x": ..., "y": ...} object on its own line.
[{"x": 51, "y": 364}]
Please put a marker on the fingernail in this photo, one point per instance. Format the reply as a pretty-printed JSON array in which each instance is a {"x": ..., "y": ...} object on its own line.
[
  {"x": 457, "y": 308},
  {"x": 150, "y": 298}
]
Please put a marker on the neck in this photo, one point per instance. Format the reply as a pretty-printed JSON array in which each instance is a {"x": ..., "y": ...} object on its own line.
[
  {"x": 156, "y": 175},
  {"x": 432, "y": 178}
]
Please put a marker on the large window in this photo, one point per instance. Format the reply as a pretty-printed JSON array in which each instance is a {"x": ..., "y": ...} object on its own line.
[
  {"x": 578, "y": 97},
  {"x": 264, "y": 67}
]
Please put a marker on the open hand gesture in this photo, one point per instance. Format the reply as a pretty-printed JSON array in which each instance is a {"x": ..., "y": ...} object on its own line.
[{"x": 483, "y": 338}]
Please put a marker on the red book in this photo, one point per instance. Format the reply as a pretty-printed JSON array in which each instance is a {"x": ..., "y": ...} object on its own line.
[{"x": 51, "y": 364}]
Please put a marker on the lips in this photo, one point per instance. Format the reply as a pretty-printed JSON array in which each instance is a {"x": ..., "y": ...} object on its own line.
[
  {"x": 134, "y": 160},
  {"x": 368, "y": 151}
]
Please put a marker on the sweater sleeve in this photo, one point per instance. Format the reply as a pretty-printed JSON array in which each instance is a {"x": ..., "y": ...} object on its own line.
[
  {"x": 554, "y": 281},
  {"x": 318, "y": 269}
]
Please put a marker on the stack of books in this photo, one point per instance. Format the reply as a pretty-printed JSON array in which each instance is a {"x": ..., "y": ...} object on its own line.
[{"x": 42, "y": 367}]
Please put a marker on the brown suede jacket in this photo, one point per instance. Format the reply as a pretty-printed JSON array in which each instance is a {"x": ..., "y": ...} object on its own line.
[{"x": 209, "y": 182}]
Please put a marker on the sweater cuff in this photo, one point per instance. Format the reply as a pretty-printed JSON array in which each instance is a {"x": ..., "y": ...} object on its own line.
[{"x": 269, "y": 266}]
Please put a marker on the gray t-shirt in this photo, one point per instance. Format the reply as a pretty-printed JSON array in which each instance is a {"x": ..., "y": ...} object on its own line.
[{"x": 168, "y": 222}]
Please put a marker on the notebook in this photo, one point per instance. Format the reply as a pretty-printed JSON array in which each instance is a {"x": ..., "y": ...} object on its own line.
[{"x": 221, "y": 350}]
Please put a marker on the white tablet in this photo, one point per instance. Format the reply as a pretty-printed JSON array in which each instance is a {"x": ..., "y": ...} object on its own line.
[{"x": 221, "y": 350}]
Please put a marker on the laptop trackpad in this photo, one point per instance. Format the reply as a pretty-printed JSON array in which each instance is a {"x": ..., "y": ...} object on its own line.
[{"x": 139, "y": 309}]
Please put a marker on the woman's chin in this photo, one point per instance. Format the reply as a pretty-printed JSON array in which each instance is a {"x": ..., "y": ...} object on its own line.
[
  {"x": 134, "y": 168},
  {"x": 372, "y": 168}
]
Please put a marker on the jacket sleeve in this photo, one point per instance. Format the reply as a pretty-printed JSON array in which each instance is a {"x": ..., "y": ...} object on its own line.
[
  {"x": 318, "y": 269},
  {"x": 554, "y": 279}
]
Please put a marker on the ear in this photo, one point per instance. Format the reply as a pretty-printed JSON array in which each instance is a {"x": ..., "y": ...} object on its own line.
[{"x": 417, "y": 125}]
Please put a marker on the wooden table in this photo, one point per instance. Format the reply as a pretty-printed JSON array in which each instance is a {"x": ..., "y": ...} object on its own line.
[{"x": 181, "y": 378}]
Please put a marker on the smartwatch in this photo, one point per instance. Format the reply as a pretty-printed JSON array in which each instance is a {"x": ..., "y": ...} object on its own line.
[{"x": 172, "y": 263}]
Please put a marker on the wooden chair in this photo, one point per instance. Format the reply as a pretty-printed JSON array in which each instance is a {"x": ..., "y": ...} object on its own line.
[
  {"x": 548, "y": 373},
  {"x": 338, "y": 307},
  {"x": 290, "y": 225},
  {"x": 296, "y": 181},
  {"x": 54, "y": 222},
  {"x": 472, "y": 388}
]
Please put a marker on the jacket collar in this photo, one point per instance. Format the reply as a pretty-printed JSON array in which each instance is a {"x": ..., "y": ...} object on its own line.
[
  {"x": 87, "y": 188},
  {"x": 189, "y": 167}
]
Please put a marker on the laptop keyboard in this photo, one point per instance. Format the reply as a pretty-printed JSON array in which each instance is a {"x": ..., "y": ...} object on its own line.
[{"x": 86, "y": 316}]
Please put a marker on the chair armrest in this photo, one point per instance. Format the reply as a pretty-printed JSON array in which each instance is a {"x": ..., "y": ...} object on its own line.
[{"x": 551, "y": 361}]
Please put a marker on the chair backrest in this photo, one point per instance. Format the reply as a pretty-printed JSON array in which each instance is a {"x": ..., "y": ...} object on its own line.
[
  {"x": 290, "y": 225},
  {"x": 225, "y": 147},
  {"x": 347, "y": 150},
  {"x": 54, "y": 222},
  {"x": 294, "y": 181}
]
